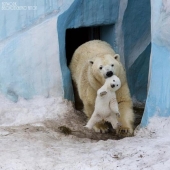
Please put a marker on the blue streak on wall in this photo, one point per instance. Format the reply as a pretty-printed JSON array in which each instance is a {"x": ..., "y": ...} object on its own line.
[
  {"x": 136, "y": 22},
  {"x": 107, "y": 33},
  {"x": 136, "y": 27},
  {"x": 82, "y": 14},
  {"x": 158, "y": 100},
  {"x": 17, "y": 73},
  {"x": 28, "y": 66},
  {"x": 13, "y": 82},
  {"x": 138, "y": 76}
]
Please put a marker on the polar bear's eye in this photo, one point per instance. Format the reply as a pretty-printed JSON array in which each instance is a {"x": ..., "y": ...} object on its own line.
[
  {"x": 112, "y": 65},
  {"x": 100, "y": 67}
]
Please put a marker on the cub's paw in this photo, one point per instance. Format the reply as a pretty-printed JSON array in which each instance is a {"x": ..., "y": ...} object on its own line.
[
  {"x": 101, "y": 127},
  {"x": 124, "y": 131},
  {"x": 118, "y": 115},
  {"x": 103, "y": 93}
]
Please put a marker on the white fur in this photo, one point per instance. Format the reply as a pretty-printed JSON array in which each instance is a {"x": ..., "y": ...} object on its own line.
[
  {"x": 106, "y": 106},
  {"x": 88, "y": 77}
]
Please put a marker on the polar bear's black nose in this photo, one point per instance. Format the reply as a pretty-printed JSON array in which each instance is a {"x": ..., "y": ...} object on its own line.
[
  {"x": 112, "y": 85},
  {"x": 109, "y": 74}
]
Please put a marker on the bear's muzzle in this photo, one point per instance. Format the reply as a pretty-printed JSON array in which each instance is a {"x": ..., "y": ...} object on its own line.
[{"x": 109, "y": 74}]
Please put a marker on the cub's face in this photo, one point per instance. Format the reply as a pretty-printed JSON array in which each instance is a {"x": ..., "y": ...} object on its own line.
[
  {"x": 113, "y": 83},
  {"x": 105, "y": 66}
]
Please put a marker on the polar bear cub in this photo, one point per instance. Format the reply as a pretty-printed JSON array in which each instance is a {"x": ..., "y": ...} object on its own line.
[{"x": 106, "y": 106}]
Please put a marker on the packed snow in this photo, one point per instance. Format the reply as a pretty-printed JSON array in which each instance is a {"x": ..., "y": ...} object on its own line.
[{"x": 31, "y": 140}]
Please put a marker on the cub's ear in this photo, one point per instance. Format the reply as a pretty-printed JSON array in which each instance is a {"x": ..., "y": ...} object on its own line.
[
  {"x": 91, "y": 62},
  {"x": 117, "y": 57}
]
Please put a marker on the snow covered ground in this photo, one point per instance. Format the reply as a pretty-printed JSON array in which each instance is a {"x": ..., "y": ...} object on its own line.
[{"x": 30, "y": 140}]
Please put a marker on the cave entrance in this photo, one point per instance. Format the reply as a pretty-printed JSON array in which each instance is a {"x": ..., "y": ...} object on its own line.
[
  {"x": 78, "y": 36},
  {"x": 74, "y": 38}
]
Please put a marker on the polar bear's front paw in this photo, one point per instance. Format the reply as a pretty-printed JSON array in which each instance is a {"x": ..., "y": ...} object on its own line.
[
  {"x": 124, "y": 131},
  {"x": 88, "y": 127},
  {"x": 101, "y": 127}
]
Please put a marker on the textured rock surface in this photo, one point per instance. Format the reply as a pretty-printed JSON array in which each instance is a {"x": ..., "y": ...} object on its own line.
[
  {"x": 29, "y": 60},
  {"x": 159, "y": 93},
  {"x": 32, "y": 47}
]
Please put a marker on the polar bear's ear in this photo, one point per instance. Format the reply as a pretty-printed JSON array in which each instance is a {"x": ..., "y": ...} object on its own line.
[
  {"x": 117, "y": 57},
  {"x": 91, "y": 62}
]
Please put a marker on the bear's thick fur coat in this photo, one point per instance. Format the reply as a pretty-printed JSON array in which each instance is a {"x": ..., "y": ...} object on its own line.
[{"x": 91, "y": 64}]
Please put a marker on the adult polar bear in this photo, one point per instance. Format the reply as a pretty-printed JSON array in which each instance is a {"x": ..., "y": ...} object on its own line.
[{"x": 91, "y": 64}]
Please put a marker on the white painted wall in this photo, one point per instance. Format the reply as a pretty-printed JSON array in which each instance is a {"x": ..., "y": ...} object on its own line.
[{"x": 29, "y": 57}]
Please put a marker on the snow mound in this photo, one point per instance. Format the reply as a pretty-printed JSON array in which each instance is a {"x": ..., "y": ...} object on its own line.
[
  {"x": 35, "y": 110},
  {"x": 30, "y": 139}
]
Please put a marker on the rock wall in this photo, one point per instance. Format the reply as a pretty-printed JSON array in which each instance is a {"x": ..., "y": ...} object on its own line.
[
  {"x": 157, "y": 103},
  {"x": 32, "y": 43},
  {"x": 29, "y": 52}
]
